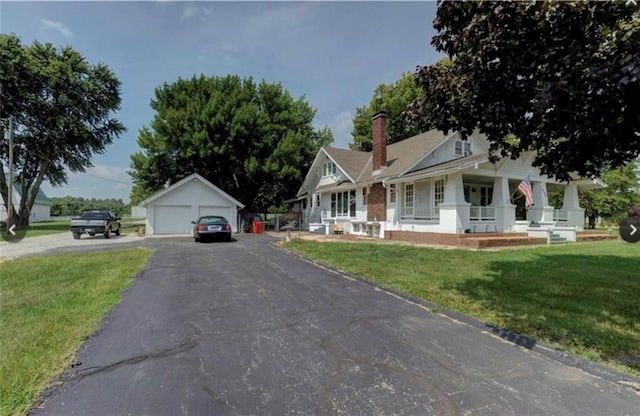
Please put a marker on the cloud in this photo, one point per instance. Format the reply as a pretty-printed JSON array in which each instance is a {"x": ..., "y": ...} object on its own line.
[
  {"x": 192, "y": 10},
  {"x": 59, "y": 26},
  {"x": 116, "y": 174},
  {"x": 341, "y": 127},
  {"x": 99, "y": 181}
]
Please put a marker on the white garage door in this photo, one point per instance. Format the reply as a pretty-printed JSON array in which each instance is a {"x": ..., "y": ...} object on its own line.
[
  {"x": 172, "y": 219},
  {"x": 223, "y": 211}
]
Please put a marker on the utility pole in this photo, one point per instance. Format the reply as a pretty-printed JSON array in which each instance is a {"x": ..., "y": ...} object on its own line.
[
  {"x": 8, "y": 135},
  {"x": 10, "y": 193}
]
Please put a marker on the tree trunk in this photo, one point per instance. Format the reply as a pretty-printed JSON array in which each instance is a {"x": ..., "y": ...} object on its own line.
[{"x": 593, "y": 219}]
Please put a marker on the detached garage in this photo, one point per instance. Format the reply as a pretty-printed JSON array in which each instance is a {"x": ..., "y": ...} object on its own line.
[{"x": 171, "y": 210}]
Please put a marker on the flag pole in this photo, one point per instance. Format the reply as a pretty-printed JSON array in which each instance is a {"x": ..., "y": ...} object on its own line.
[{"x": 516, "y": 190}]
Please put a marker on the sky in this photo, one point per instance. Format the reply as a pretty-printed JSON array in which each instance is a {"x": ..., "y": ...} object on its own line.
[{"x": 332, "y": 53}]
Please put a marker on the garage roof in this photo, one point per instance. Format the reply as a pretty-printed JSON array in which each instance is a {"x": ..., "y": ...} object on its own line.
[{"x": 183, "y": 181}]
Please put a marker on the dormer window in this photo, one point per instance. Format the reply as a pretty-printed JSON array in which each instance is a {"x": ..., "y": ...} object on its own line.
[
  {"x": 328, "y": 169},
  {"x": 463, "y": 148}
]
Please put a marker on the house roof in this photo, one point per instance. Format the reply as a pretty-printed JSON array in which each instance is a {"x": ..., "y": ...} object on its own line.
[
  {"x": 41, "y": 198},
  {"x": 460, "y": 163},
  {"x": 403, "y": 155},
  {"x": 350, "y": 161},
  {"x": 185, "y": 181},
  {"x": 403, "y": 158}
]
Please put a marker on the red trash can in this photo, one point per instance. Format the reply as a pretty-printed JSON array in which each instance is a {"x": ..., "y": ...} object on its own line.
[{"x": 258, "y": 227}]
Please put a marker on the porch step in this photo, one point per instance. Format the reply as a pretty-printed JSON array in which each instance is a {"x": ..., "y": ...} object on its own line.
[
  {"x": 320, "y": 230},
  {"x": 556, "y": 239}
]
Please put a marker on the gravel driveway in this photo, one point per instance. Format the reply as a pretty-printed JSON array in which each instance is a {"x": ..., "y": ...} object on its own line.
[{"x": 55, "y": 242}]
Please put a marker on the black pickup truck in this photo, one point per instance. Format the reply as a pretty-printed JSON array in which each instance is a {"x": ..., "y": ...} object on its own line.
[{"x": 95, "y": 222}]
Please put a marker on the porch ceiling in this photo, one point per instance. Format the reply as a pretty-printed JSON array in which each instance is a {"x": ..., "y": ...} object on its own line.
[{"x": 477, "y": 179}]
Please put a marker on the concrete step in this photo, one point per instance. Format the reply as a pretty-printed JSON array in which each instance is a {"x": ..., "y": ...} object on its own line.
[{"x": 555, "y": 239}]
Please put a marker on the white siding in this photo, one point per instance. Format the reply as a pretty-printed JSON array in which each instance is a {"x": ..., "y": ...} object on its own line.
[{"x": 186, "y": 203}]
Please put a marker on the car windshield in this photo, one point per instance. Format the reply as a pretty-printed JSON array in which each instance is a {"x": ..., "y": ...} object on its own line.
[{"x": 212, "y": 220}]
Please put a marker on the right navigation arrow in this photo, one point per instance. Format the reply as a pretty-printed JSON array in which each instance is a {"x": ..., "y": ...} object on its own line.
[{"x": 634, "y": 229}]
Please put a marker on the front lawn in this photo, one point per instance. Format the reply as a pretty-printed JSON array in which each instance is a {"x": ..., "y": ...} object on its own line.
[
  {"x": 50, "y": 306},
  {"x": 582, "y": 298}
]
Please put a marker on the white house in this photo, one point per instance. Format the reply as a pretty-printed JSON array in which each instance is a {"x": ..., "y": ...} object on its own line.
[
  {"x": 431, "y": 183},
  {"x": 41, "y": 210},
  {"x": 171, "y": 210}
]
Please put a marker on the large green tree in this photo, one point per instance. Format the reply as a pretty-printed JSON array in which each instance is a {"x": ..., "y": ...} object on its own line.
[
  {"x": 560, "y": 78},
  {"x": 62, "y": 108},
  {"x": 252, "y": 140},
  {"x": 394, "y": 98},
  {"x": 73, "y": 205},
  {"x": 614, "y": 201}
]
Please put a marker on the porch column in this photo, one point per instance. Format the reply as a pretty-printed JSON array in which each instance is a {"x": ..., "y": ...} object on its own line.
[
  {"x": 505, "y": 210},
  {"x": 571, "y": 204},
  {"x": 541, "y": 212},
  {"x": 454, "y": 210}
]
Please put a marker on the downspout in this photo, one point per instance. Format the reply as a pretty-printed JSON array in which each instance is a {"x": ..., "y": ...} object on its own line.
[{"x": 386, "y": 185}]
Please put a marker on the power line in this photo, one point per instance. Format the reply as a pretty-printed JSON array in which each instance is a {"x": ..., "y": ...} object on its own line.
[{"x": 108, "y": 179}]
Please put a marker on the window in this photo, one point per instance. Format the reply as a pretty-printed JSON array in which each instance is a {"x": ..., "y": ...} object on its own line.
[
  {"x": 393, "y": 193},
  {"x": 328, "y": 169},
  {"x": 467, "y": 193},
  {"x": 317, "y": 200},
  {"x": 463, "y": 148},
  {"x": 407, "y": 201},
  {"x": 438, "y": 192},
  {"x": 365, "y": 193},
  {"x": 421, "y": 199},
  {"x": 343, "y": 204},
  {"x": 458, "y": 147},
  {"x": 486, "y": 195}
]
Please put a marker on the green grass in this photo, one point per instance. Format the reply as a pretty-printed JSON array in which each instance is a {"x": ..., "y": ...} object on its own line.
[
  {"x": 49, "y": 306},
  {"x": 45, "y": 228},
  {"x": 582, "y": 298},
  {"x": 37, "y": 229}
]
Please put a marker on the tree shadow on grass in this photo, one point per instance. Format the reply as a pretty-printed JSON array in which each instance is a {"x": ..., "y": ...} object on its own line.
[{"x": 577, "y": 302}]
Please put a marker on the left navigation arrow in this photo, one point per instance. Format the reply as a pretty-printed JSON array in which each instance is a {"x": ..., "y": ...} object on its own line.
[{"x": 11, "y": 229}]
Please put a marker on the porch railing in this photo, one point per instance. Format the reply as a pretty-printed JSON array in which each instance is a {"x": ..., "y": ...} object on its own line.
[
  {"x": 560, "y": 215},
  {"x": 422, "y": 213},
  {"x": 478, "y": 213}
]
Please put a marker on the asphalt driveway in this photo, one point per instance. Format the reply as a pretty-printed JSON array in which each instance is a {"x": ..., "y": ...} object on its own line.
[{"x": 243, "y": 328}]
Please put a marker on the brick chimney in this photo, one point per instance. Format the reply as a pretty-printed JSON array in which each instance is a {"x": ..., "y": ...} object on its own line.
[{"x": 379, "y": 121}]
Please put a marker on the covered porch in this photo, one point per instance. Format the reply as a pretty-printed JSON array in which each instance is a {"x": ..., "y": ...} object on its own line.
[{"x": 470, "y": 202}]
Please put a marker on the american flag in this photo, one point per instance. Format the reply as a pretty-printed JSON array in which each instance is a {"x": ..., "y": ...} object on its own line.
[{"x": 525, "y": 189}]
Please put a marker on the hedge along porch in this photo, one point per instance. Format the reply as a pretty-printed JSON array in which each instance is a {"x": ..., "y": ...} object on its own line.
[{"x": 171, "y": 210}]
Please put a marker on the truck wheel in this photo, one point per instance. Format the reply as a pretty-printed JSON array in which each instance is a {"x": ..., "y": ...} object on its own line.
[
  {"x": 76, "y": 236},
  {"x": 117, "y": 231},
  {"x": 107, "y": 234}
]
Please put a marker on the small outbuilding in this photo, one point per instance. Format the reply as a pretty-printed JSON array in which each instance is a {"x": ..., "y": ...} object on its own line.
[{"x": 171, "y": 210}]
